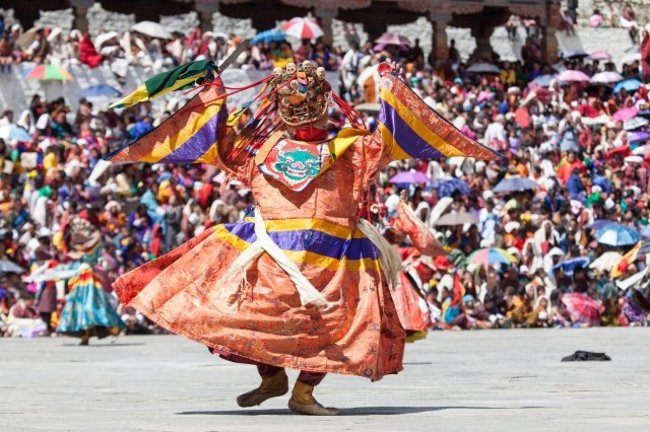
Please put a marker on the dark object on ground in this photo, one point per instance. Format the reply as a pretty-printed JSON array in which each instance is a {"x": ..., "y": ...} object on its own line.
[{"x": 586, "y": 356}]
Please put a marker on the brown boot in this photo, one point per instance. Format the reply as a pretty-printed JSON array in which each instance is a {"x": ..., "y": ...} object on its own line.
[
  {"x": 302, "y": 401},
  {"x": 85, "y": 338},
  {"x": 274, "y": 386}
]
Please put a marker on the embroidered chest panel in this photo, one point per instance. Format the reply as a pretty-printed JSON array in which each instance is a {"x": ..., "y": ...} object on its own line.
[{"x": 296, "y": 163}]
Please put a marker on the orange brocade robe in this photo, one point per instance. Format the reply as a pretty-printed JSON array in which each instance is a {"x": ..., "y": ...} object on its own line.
[{"x": 256, "y": 313}]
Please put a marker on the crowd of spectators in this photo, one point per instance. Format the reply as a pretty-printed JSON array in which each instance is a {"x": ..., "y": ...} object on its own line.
[
  {"x": 60, "y": 203},
  {"x": 62, "y": 48}
]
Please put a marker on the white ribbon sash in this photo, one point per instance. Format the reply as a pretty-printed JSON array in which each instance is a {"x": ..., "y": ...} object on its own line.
[{"x": 309, "y": 295}]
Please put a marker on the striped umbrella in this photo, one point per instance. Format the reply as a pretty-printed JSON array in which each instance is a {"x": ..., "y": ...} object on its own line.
[
  {"x": 489, "y": 256},
  {"x": 303, "y": 28},
  {"x": 47, "y": 73}
]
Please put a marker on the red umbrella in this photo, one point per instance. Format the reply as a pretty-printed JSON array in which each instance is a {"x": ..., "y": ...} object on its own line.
[
  {"x": 582, "y": 308},
  {"x": 622, "y": 151},
  {"x": 303, "y": 28},
  {"x": 393, "y": 39},
  {"x": 625, "y": 114}
]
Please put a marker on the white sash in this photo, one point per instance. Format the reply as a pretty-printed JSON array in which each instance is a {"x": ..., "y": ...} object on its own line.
[{"x": 309, "y": 295}]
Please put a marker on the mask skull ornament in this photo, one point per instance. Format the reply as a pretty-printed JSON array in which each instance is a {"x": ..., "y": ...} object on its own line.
[{"x": 302, "y": 93}]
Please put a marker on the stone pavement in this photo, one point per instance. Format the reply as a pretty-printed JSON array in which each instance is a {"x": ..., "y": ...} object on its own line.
[{"x": 506, "y": 380}]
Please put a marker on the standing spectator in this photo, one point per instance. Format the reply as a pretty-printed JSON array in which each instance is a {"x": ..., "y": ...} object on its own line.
[
  {"x": 645, "y": 56},
  {"x": 628, "y": 21}
]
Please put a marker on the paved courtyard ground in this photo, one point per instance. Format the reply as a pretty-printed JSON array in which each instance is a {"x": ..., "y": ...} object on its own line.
[{"x": 471, "y": 381}]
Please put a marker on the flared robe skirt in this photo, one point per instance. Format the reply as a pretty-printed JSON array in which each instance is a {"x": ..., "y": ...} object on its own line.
[{"x": 255, "y": 312}]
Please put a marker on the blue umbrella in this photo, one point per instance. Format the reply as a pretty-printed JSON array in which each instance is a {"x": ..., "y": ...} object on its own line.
[
  {"x": 267, "y": 36},
  {"x": 638, "y": 136},
  {"x": 615, "y": 234},
  {"x": 630, "y": 85},
  {"x": 514, "y": 184},
  {"x": 99, "y": 90},
  {"x": 599, "y": 223},
  {"x": 569, "y": 266},
  {"x": 448, "y": 187},
  {"x": 543, "y": 80},
  {"x": 573, "y": 53},
  {"x": 13, "y": 132}
]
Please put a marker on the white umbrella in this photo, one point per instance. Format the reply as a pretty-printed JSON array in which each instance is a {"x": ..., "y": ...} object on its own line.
[
  {"x": 13, "y": 132},
  {"x": 635, "y": 123},
  {"x": 440, "y": 207},
  {"x": 606, "y": 261},
  {"x": 606, "y": 77},
  {"x": 152, "y": 29},
  {"x": 633, "y": 159},
  {"x": 100, "y": 168},
  {"x": 457, "y": 218},
  {"x": 632, "y": 280},
  {"x": 602, "y": 119},
  {"x": 485, "y": 68},
  {"x": 642, "y": 150}
]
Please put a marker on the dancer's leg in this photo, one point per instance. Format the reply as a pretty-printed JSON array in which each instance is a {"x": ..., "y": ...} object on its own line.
[
  {"x": 302, "y": 399},
  {"x": 311, "y": 378},
  {"x": 274, "y": 380}
]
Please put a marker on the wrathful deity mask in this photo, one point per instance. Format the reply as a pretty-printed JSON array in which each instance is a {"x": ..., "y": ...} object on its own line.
[{"x": 302, "y": 93}]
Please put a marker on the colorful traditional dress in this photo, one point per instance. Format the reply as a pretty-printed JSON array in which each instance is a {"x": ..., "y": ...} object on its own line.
[
  {"x": 87, "y": 309},
  {"x": 302, "y": 284}
]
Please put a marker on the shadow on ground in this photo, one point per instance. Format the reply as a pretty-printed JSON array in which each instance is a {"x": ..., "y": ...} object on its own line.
[
  {"x": 104, "y": 345},
  {"x": 360, "y": 411}
]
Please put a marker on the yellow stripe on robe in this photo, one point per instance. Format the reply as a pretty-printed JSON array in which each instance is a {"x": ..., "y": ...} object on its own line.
[
  {"x": 305, "y": 257},
  {"x": 418, "y": 127},
  {"x": 175, "y": 141},
  {"x": 395, "y": 150},
  {"x": 309, "y": 224}
]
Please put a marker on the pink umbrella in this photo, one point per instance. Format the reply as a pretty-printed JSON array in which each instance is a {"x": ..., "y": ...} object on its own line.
[
  {"x": 393, "y": 39},
  {"x": 410, "y": 177},
  {"x": 625, "y": 114},
  {"x": 573, "y": 75},
  {"x": 582, "y": 308},
  {"x": 484, "y": 95},
  {"x": 303, "y": 28},
  {"x": 600, "y": 55}
]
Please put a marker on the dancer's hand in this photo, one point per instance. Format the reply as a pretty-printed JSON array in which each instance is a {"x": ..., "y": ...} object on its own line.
[
  {"x": 398, "y": 70},
  {"x": 392, "y": 67}
]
